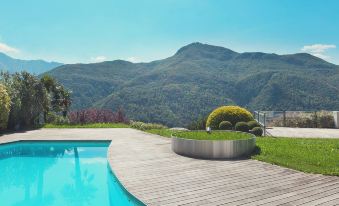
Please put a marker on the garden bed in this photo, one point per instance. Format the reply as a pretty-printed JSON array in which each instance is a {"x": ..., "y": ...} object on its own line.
[{"x": 217, "y": 145}]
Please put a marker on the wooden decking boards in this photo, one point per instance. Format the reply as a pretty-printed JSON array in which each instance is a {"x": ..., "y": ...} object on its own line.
[{"x": 148, "y": 169}]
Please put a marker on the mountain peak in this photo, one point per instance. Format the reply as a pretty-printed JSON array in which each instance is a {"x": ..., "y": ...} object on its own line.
[{"x": 200, "y": 50}]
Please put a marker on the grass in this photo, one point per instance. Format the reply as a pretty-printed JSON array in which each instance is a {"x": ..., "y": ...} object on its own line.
[
  {"x": 94, "y": 125},
  {"x": 161, "y": 132},
  {"x": 216, "y": 135},
  {"x": 311, "y": 155}
]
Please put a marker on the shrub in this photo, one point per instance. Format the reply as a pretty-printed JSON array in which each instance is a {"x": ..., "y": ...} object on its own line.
[
  {"x": 257, "y": 131},
  {"x": 5, "y": 104},
  {"x": 252, "y": 124},
  {"x": 325, "y": 120},
  {"x": 199, "y": 124},
  {"x": 53, "y": 118},
  {"x": 89, "y": 116},
  {"x": 232, "y": 114},
  {"x": 146, "y": 126},
  {"x": 242, "y": 126},
  {"x": 225, "y": 125}
]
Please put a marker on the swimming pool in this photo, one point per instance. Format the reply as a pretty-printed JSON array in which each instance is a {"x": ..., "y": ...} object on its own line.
[{"x": 59, "y": 173}]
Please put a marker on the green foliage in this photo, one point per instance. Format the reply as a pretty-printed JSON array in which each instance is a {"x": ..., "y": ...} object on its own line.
[
  {"x": 31, "y": 99},
  {"x": 146, "y": 126},
  {"x": 5, "y": 104},
  {"x": 53, "y": 118},
  {"x": 177, "y": 90},
  {"x": 199, "y": 124},
  {"x": 232, "y": 114},
  {"x": 161, "y": 132},
  {"x": 215, "y": 135},
  {"x": 242, "y": 127},
  {"x": 303, "y": 154},
  {"x": 325, "y": 120},
  {"x": 252, "y": 124},
  {"x": 257, "y": 131},
  {"x": 225, "y": 125}
]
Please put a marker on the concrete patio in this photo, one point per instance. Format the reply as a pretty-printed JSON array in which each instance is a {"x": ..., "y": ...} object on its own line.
[{"x": 303, "y": 132}]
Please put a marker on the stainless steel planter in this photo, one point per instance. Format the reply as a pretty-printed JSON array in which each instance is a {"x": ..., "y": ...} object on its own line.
[{"x": 213, "y": 149}]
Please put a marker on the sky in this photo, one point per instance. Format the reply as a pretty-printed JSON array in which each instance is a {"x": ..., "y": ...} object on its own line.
[{"x": 84, "y": 31}]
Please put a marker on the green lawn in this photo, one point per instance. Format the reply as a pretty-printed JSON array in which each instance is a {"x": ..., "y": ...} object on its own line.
[
  {"x": 307, "y": 155},
  {"x": 161, "y": 132},
  {"x": 311, "y": 155},
  {"x": 94, "y": 125},
  {"x": 215, "y": 135}
]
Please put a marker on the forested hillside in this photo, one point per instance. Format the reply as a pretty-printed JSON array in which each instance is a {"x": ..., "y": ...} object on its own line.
[{"x": 200, "y": 77}]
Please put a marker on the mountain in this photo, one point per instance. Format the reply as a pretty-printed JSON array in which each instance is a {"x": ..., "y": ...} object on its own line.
[
  {"x": 33, "y": 66},
  {"x": 201, "y": 77}
]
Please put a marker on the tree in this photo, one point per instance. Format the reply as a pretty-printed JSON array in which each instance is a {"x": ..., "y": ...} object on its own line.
[
  {"x": 32, "y": 97},
  {"x": 5, "y": 103}
]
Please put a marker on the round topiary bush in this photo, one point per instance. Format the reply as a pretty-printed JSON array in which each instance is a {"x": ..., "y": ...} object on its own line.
[
  {"x": 242, "y": 127},
  {"x": 257, "y": 131},
  {"x": 253, "y": 124},
  {"x": 225, "y": 125},
  {"x": 232, "y": 114}
]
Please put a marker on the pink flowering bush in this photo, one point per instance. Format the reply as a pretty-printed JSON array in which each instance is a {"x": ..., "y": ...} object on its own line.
[{"x": 97, "y": 116}]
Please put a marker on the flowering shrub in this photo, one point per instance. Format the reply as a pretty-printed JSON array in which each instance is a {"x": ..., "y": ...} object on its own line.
[
  {"x": 146, "y": 126},
  {"x": 97, "y": 116}
]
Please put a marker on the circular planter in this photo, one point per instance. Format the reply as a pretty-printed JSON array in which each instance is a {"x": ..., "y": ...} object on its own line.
[{"x": 213, "y": 149}]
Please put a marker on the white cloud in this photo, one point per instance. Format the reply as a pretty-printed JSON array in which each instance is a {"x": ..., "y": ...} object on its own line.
[
  {"x": 319, "y": 50},
  {"x": 98, "y": 59},
  {"x": 133, "y": 59},
  {"x": 8, "y": 49}
]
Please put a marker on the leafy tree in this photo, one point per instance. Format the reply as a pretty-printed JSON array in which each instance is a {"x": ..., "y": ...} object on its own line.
[
  {"x": 5, "y": 103},
  {"x": 32, "y": 97}
]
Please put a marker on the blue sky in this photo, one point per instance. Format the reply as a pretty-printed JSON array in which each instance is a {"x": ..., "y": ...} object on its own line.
[{"x": 72, "y": 31}]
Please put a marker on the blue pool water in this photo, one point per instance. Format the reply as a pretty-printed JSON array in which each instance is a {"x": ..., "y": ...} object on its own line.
[{"x": 59, "y": 173}]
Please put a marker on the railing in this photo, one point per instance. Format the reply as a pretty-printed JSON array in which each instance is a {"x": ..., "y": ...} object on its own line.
[
  {"x": 306, "y": 119},
  {"x": 260, "y": 117}
]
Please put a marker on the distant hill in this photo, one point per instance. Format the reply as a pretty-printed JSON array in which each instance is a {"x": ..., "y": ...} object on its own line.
[
  {"x": 33, "y": 66},
  {"x": 201, "y": 77}
]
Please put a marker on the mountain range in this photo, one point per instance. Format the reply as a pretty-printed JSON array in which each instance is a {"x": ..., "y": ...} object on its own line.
[
  {"x": 12, "y": 65},
  {"x": 200, "y": 77}
]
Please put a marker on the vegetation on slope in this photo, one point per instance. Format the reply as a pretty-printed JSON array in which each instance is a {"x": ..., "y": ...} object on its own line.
[{"x": 199, "y": 78}]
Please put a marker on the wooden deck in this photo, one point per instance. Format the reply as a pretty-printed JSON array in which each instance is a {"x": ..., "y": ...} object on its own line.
[{"x": 147, "y": 167}]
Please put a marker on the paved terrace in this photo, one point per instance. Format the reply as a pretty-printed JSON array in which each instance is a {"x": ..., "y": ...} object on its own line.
[
  {"x": 303, "y": 132},
  {"x": 147, "y": 167}
]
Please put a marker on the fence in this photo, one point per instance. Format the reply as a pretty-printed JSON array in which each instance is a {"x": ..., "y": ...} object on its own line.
[
  {"x": 305, "y": 119},
  {"x": 260, "y": 117}
]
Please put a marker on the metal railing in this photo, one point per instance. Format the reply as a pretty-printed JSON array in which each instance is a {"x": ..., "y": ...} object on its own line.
[
  {"x": 260, "y": 117},
  {"x": 306, "y": 119}
]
